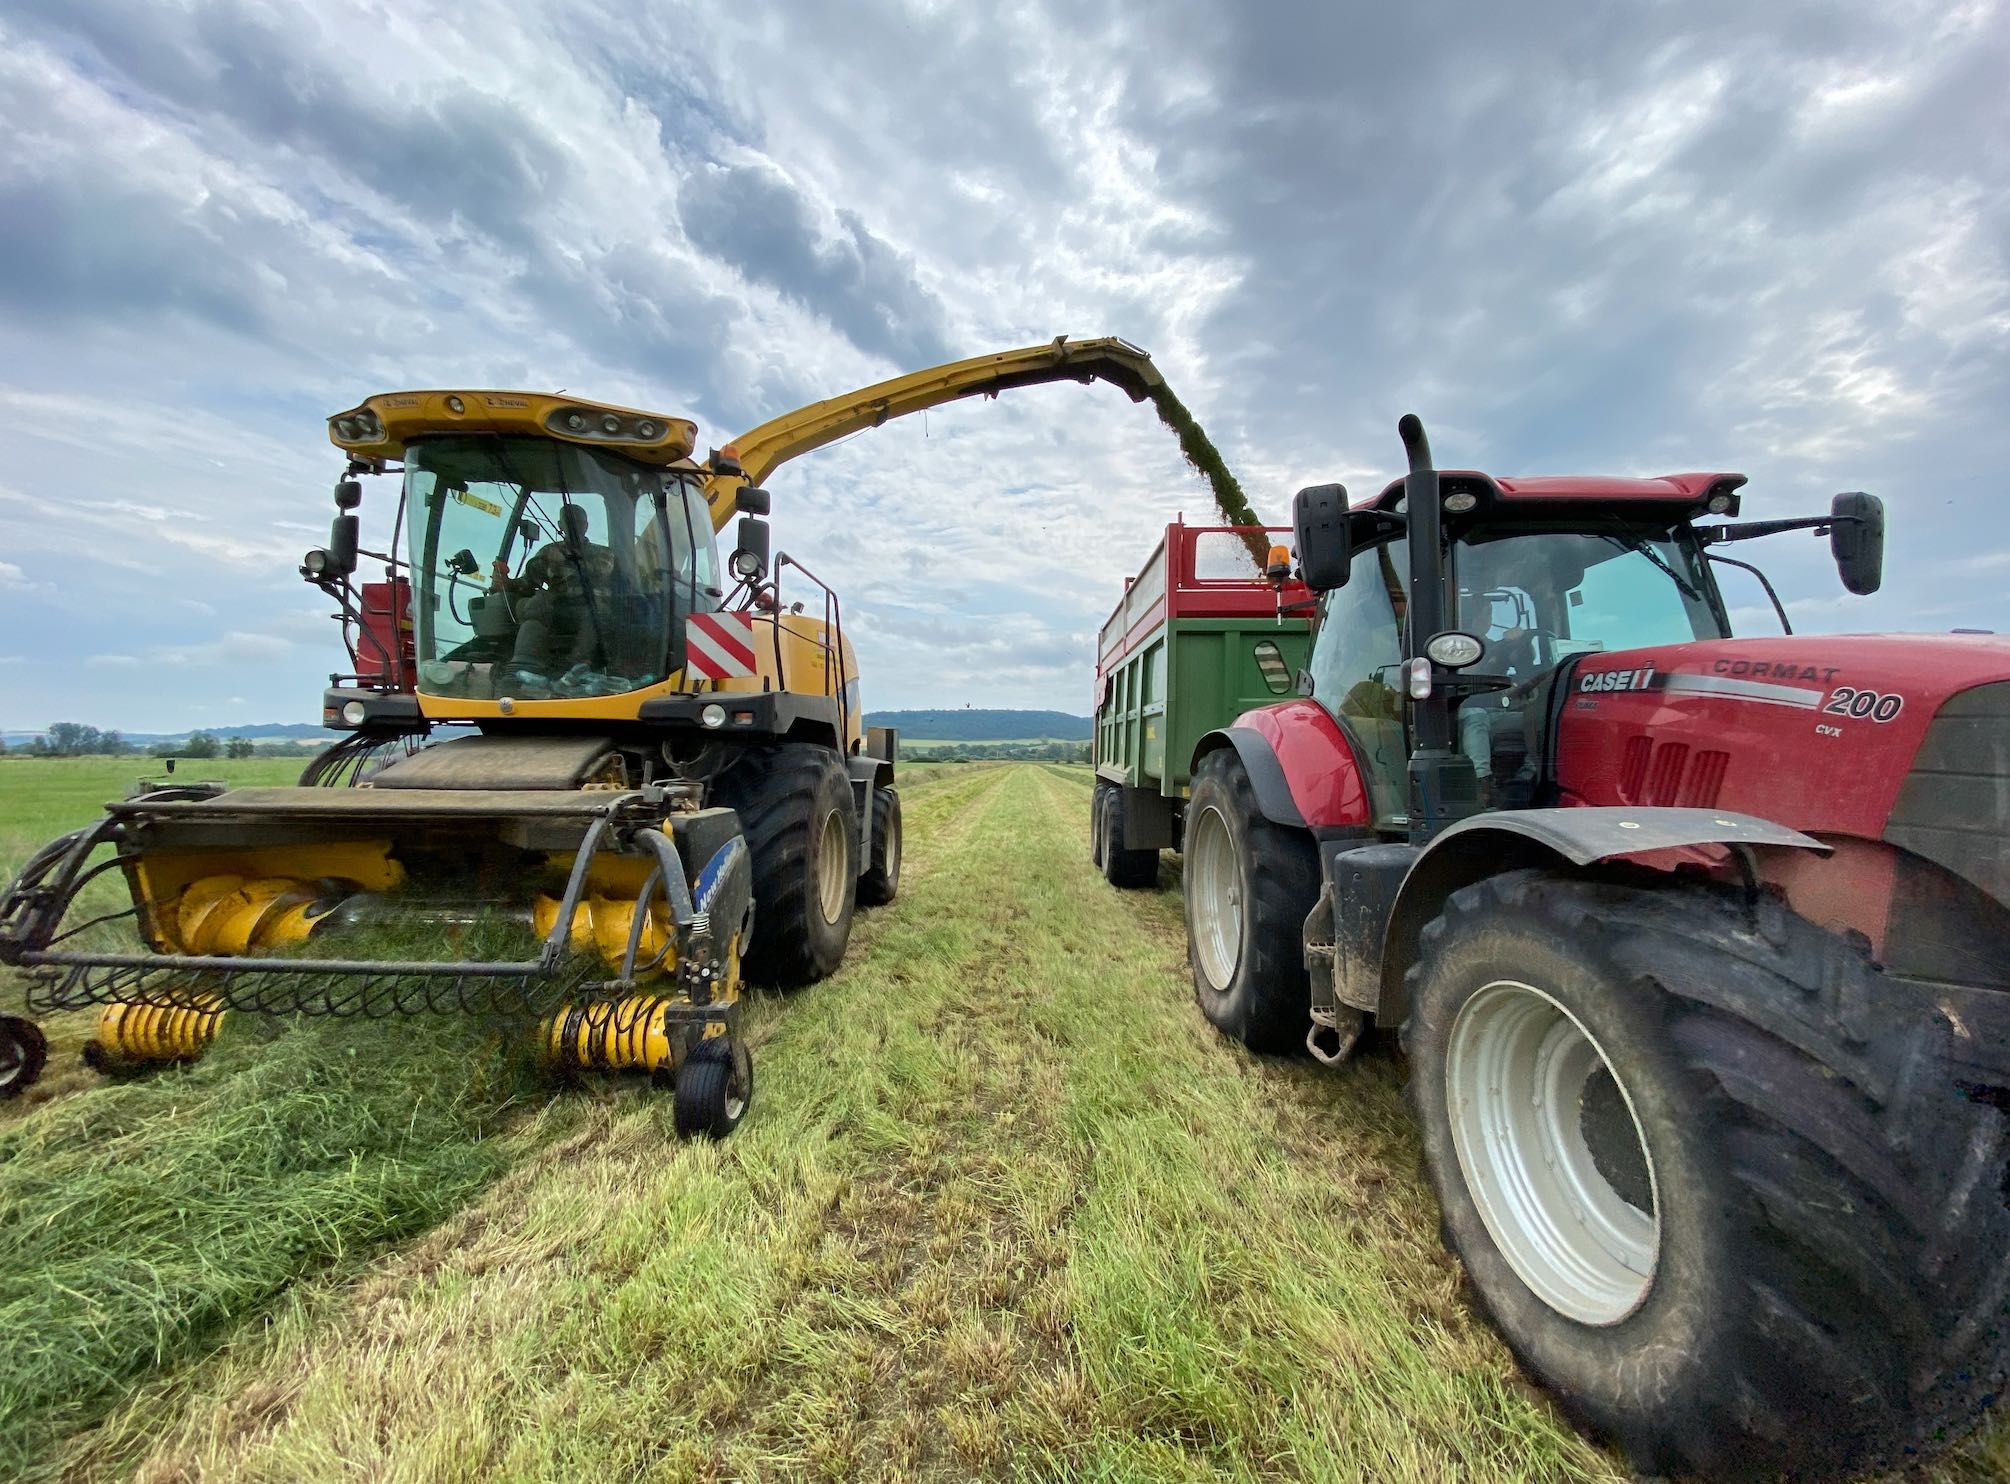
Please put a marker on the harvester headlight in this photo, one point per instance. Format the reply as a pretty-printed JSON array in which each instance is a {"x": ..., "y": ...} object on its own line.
[
  {"x": 713, "y": 715},
  {"x": 315, "y": 564},
  {"x": 610, "y": 425},
  {"x": 345, "y": 428},
  {"x": 1454, "y": 650},
  {"x": 645, "y": 430},
  {"x": 355, "y": 713},
  {"x": 456, "y": 406},
  {"x": 576, "y": 422},
  {"x": 1459, "y": 502}
]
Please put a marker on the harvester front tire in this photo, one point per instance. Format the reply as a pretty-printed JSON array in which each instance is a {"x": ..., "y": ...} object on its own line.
[
  {"x": 1819, "y": 1207},
  {"x": 795, "y": 806},
  {"x": 1130, "y": 870},
  {"x": 1248, "y": 885},
  {"x": 714, "y": 1087},
  {"x": 881, "y": 882},
  {"x": 24, "y": 1051}
]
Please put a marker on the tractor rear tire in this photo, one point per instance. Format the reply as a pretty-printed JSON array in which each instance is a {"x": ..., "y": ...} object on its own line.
[
  {"x": 1711, "y": 1175},
  {"x": 24, "y": 1051},
  {"x": 881, "y": 882},
  {"x": 795, "y": 806},
  {"x": 714, "y": 1086},
  {"x": 1249, "y": 885},
  {"x": 1130, "y": 870}
]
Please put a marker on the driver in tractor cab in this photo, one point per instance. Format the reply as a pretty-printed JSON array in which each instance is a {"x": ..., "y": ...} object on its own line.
[
  {"x": 1505, "y": 589},
  {"x": 553, "y": 598}
]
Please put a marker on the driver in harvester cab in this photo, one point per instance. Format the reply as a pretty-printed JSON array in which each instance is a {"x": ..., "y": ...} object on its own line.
[{"x": 557, "y": 598}]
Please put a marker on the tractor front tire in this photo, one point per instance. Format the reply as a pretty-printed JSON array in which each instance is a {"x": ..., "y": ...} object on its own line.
[
  {"x": 1249, "y": 885},
  {"x": 795, "y": 806},
  {"x": 1710, "y": 1175},
  {"x": 1130, "y": 870},
  {"x": 881, "y": 882},
  {"x": 24, "y": 1051}
]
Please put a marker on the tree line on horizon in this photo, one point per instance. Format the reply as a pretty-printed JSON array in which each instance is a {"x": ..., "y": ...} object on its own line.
[{"x": 75, "y": 739}]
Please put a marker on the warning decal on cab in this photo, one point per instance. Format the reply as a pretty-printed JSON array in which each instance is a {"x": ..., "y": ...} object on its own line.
[{"x": 719, "y": 646}]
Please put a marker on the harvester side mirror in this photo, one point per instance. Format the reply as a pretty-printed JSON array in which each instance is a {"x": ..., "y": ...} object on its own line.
[
  {"x": 1319, "y": 532},
  {"x": 750, "y": 554},
  {"x": 528, "y": 529},
  {"x": 342, "y": 538},
  {"x": 751, "y": 499},
  {"x": 1857, "y": 541}
]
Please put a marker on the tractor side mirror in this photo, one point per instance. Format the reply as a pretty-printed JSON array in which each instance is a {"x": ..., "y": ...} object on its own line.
[
  {"x": 1857, "y": 541},
  {"x": 750, "y": 554},
  {"x": 751, "y": 499},
  {"x": 463, "y": 562},
  {"x": 1319, "y": 531}
]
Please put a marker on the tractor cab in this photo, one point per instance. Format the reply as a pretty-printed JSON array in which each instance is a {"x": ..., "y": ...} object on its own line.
[{"x": 1535, "y": 587}]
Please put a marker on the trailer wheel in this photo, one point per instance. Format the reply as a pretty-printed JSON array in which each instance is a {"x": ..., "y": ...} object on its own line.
[
  {"x": 24, "y": 1051},
  {"x": 1098, "y": 804},
  {"x": 881, "y": 882},
  {"x": 795, "y": 806},
  {"x": 1249, "y": 885},
  {"x": 1132, "y": 870},
  {"x": 1710, "y": 1175},
  {"x": 714, "y": 1087}
]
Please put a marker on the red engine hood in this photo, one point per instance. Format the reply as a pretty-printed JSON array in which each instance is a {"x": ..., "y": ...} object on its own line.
[{"x": 1813, "y": 731}]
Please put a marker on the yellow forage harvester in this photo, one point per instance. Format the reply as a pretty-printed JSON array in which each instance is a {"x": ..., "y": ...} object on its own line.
[{"x": 566, "y": 712}]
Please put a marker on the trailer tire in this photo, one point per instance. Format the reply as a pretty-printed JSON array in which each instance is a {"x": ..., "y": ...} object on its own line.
[
  {"x": 713, "y": 1088},
  {"x": 1824, "y": 1207},
  {"x": 1248, "y": 884},
  {"x": 24, "y": 1051},
  {"x": 881, "y": 882},
  {"x": 795, "y": 806},
  {"x": 1130, "y": 870},
  {"x": 1098, "y": 804}
]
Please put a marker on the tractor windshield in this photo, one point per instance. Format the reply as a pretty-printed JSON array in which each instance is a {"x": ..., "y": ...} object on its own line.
[
  {"x": 545, "y": 570},
  {"x": 1536, "y": 596}
]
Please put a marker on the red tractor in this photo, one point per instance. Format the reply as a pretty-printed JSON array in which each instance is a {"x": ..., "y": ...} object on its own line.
[{"x": 1698, "y": 947}]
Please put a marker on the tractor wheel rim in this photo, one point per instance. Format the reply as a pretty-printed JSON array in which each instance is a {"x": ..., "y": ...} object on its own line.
[
  {"x": 831, "y": 866},
  {"x": 1214, "y": 886},
  {"x": 1553, "y": 1155}
]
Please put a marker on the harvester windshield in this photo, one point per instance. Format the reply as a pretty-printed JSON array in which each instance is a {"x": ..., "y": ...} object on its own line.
[{"x": 544, "y": 569}]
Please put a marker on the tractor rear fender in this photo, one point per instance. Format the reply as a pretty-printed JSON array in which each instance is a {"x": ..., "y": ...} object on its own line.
[
  {"x": 1546, "y": 839},
  {"x": 1299, "y": 763}
]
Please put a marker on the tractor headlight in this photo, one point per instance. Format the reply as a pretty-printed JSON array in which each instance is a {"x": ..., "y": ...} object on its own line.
[
  {"x": 355, "y": 713},
  {"x": 713, "y": 715},
  {"x": 1454, "y": 650},
  {"x": 1459, "y": 502}
]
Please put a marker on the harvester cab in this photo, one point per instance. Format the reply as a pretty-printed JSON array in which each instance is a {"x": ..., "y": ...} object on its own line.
[
  {"x": 1698, "y": 947},
  {"x": 603, "y": 775}
]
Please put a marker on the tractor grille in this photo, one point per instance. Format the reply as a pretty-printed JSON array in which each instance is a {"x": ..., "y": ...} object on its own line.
[
  {"x": 1954, "y": 808},
  {"x": 1668, "y": 773}
]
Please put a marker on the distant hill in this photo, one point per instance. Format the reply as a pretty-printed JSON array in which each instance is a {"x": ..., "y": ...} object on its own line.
[{"x": 978, "y": 724}]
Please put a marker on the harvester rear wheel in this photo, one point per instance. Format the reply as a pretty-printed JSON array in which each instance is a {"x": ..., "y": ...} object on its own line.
[
  {"x": 1123, "y": 867},
  {"x": 1711, "y": 1175},
  {"x": 795, "y": 806},
  {"x": 714, "y": 1087},
  {"x": 24, "y": 1051},
  {"x": 1249, "y": 885},
  {"x": 881, "y": 882}
]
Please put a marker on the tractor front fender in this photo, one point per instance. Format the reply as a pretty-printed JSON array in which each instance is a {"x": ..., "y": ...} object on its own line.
[
  {"x": 1546, "y": 839},
  {"x": 1299, "y": 763}
]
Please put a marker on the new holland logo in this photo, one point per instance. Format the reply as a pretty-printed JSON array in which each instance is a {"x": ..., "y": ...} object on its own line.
[
  {"x": 719, "y": 646},
  {"x": 1603, "y": 680}
]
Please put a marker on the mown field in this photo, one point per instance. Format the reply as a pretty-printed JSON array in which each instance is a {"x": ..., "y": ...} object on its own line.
[{"x": 1004, "y": 1207}]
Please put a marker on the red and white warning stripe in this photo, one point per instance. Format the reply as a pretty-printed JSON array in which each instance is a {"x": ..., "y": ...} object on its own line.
[{"x": 719, "y": 646}]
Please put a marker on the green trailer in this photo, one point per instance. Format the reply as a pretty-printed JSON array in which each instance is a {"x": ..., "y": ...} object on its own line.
[{"x": 1205, "y": 631}]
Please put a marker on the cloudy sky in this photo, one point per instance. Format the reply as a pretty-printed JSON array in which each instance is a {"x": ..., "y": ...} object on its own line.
[{"x": 1618, "y": 236}]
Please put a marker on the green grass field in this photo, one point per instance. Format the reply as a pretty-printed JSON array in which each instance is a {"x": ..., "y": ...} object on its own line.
[{"x": 1004, "y": 1207}]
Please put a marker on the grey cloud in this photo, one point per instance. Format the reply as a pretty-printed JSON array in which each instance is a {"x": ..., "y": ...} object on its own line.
[{"x": 752, "y": 217}]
